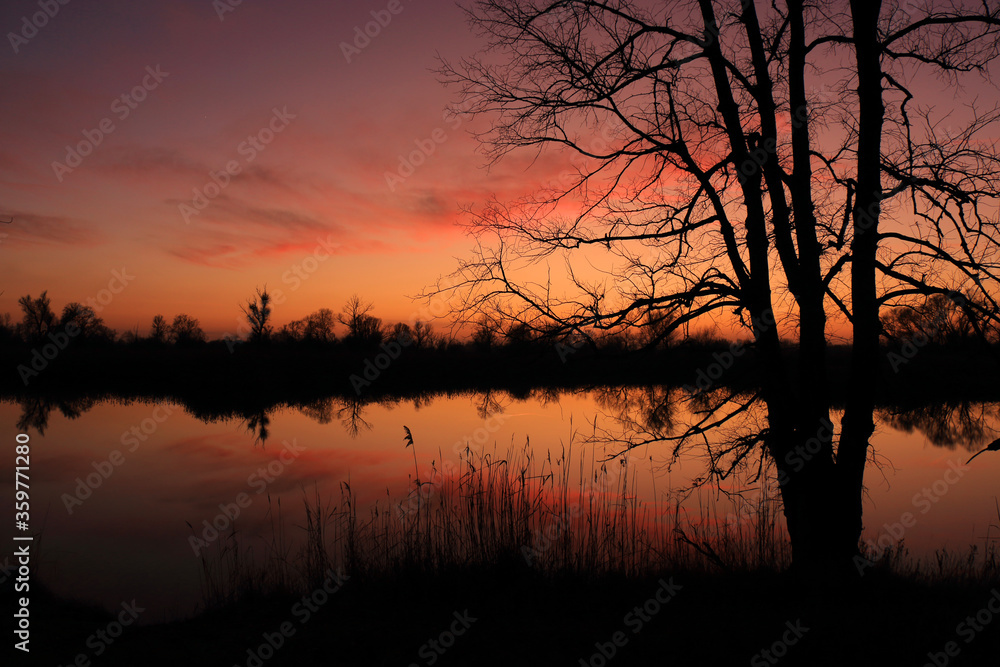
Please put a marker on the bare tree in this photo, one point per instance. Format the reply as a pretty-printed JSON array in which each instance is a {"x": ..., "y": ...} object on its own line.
[
  {"x": 7, "y": 328},
  {"x": 159, "y": 329},
  {"x": 186, "y": 330},
  {"x": 38, "y": 318},
  {"x": 423, "y": 335},
  {"x": 939, "y": 319},
  {"x": 258, "y": 313},
  {"x": 319, "y": 326},
  {"x": 401, "y": 332},
  {"x": 90, "y": 326},
  {"x": 361, "y": 327},
  {"x": 727, "y": 176}
]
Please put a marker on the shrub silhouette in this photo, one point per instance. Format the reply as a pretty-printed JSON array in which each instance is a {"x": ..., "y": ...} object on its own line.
[{"x": 186, "y": 330}]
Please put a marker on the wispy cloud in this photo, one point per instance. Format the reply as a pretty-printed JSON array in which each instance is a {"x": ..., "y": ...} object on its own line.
[{"x": 34, "y": 228}]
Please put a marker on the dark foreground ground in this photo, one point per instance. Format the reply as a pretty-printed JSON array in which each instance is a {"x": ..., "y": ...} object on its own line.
[{"x": 515, "y": 617}]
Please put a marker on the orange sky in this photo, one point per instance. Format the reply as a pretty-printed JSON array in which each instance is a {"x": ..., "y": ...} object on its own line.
[
  {"x": 308, "y": 117},
  {"x": 322, "y": 177}
]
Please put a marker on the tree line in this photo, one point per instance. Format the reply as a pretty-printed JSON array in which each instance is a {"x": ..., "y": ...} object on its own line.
[{"x": 937, "y": 320}]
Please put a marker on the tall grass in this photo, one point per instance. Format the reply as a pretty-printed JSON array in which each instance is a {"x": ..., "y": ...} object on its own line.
[
  {"x": 977, "y": 566},
  {"x": 520, "y": 510},
  {"x": 554, "y": 514}
]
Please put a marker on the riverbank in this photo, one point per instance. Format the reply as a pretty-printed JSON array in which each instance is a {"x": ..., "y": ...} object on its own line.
[{"x": 217, "y": 379}]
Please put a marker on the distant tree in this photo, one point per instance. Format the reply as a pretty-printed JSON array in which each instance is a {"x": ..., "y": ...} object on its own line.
[
  {"x": 258, "y": 314},
  {"x": 318, "y": 326},
  {"x": 518, "y": 334},
  {"x": 38, "y": 317},
  {"x": 131, "y": 336},
  {"x": 401, "y": 331},
  {"x": 159, "y": 330},
  {"x": 655, "y": 329},
  {"x": 293, "y": 331},
  {"x": 361, "y": 327},
  {"x": 486, "y": 331},
  {"x": 939, "y": 319},
  {"x": 91, "y": 327},
  {"x": 423, "y": 336},
  {"x": 8, "y": 331},
  {"x": 186, "y": 330}
]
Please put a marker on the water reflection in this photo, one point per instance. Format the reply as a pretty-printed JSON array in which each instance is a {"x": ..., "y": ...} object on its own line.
[
  {"x": 183, "y": 468},
  {"x": 628, "y": 416},
  {"x": 949, "y": 425},
  {"x": 256, "y": 425},
  {"x": 35, "y": 411}
]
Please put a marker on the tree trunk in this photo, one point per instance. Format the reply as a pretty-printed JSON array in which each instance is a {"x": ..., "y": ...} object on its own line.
[{"x": 858, "y": 424}]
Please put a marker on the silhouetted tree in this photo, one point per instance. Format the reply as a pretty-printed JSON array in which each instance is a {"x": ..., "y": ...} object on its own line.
[
  {"x": 8, "y": 330},
  {"x": 485, "y": 332},
  {"x": 948, "y": 425},
  {"x": 35, "y": 411},
  {"x": 319, "y": 326},
  {"x": 939, "y": 319},
  {"x": 294, "y": 331},
  {"x": 423, "y": 335},
  {"x": 131, "y": 336},
  {"x": 697, "y": 131},
  {"x": 518, "y": 334},
  {"x": 186, "y": 330},
  {"x": 159, "y": 330},
  {"x": 361, "y": 327},
  {"x": 258, "y": 314},
  {"x": 91, "y": 327},
  {"x": 401, "y": 331},
  {"x": 38, "y": 318}
]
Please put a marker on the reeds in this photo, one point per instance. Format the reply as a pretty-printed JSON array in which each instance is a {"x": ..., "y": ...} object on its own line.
[
  {"x": 522, "y": 510},
  {"x": 509, "y": 510}
]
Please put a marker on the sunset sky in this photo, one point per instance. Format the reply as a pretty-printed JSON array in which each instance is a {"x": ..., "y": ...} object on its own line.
[
  {"x": 322, "y": 178},
  {"x": 120, "y": 120}
]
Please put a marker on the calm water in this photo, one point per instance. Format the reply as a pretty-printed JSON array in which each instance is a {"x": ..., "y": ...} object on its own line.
[{"x": 129, "y": 537}]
